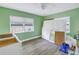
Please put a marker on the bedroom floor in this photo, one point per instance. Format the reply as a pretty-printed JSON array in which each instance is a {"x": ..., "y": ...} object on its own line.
[{"x": 40, "y": 47}]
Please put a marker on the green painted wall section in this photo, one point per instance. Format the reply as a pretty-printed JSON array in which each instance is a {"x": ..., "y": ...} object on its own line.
[
  {"x": 5, "y": 22},
  {"x": 38, "y": 21},
  {"x": 74, "y": 19}
]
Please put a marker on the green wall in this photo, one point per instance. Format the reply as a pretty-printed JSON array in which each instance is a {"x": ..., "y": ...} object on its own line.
[
  {"x": 74, "y": 19},
  {"x": 5, "y": 22},
  {"x": 38, "y": 21}
]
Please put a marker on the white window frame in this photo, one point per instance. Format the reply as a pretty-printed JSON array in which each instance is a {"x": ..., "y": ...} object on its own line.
[{"x": 24, "y": 21}]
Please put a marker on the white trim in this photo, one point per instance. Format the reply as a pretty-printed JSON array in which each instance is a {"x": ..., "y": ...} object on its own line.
[
  {"x": 25, "y": 21},
  {"x": 26, "y": 39},
  {"x": 31, "y": 38},
  {"x": 51, "y": 41},
  {"x": 65, "y": 17},
  {"x": 16, "y": 38},
  {"x": 6, "y": 38}
]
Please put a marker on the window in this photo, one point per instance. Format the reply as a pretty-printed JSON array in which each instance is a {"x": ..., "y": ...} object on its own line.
[{"x": 21, "y": 24}]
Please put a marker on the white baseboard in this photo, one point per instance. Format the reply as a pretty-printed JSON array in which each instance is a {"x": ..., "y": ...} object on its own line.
[
  {"x": 50, "y": 41},
  {"x": 16, "y": 38},
  {"x": 31, "y": 38},
  {"x": 20, "y": 41}
]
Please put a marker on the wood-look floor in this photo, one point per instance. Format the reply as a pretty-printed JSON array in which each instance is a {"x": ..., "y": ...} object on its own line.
[{"x": 40, "y": 47}]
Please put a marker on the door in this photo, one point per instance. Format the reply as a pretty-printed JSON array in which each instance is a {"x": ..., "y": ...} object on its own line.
[{"x": 59, "y": 38}]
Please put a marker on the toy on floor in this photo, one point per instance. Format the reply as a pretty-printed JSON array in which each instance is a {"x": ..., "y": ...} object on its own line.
[
  {"x": 64, "y": 48},
  {"x": 72, "y": 50}
]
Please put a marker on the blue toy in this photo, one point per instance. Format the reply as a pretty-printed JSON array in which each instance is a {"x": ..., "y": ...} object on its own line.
[{"x": 64, "y": 48}]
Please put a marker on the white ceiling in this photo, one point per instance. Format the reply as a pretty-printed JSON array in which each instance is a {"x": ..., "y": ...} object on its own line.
[{"x": 35, "y": 8}]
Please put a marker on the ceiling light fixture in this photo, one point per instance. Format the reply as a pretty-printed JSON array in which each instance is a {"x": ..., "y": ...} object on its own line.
[{"x": 43, "y": 6}]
